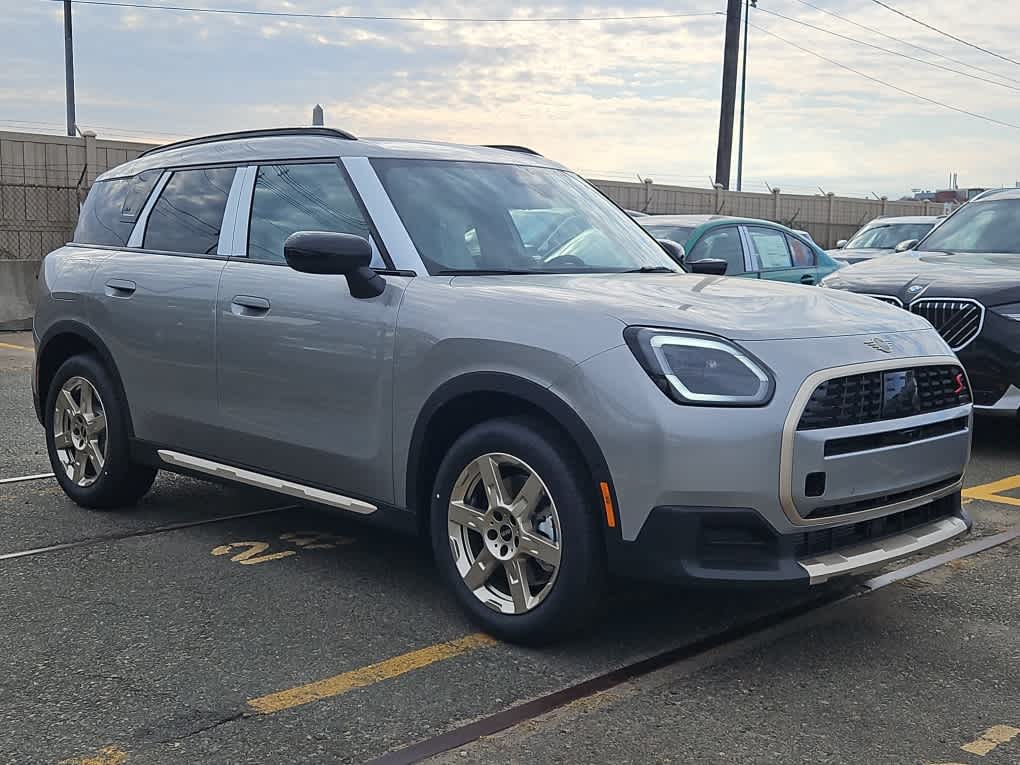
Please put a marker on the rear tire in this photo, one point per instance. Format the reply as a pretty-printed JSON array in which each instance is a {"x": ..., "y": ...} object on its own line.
[
  {"x": 87, "y": 437},
  {"x": 525, "y": 558}
]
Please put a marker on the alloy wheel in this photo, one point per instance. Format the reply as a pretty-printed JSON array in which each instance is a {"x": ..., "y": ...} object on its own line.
[
  {"x": 504, "y": 533},
  {"x": 79, "y": 431}
]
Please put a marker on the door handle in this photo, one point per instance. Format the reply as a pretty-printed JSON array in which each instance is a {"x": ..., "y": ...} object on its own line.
[
  {"x": 122, "y": 288},
  {"x": 807, "y": 279},
  {"x": 247, "y": 305}
]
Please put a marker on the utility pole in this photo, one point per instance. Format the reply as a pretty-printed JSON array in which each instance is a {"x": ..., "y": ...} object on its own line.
[
  {"x": 72, "y": 125},
  {"x": 748, "y": 5},
  {"x": 731, "y": 52}
]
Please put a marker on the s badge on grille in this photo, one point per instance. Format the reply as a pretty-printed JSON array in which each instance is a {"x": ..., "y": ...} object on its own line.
[{"x": 879, "y": 345}]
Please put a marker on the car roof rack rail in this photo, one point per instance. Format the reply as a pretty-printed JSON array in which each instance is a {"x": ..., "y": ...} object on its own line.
[
  {"x": 242, "y": 134},
  {"x": 512, "y": 147}
]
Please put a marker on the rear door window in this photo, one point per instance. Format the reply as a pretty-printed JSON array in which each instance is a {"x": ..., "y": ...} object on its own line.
[
  {"x": 803, "y": 256},
  {"x": 304, "y": 197},
  {"x": 189, "y": 213},
  {"x": 112, "y": 207},
  {"x": 770, "y": 248},
  {"x": 721, "y": 244}
]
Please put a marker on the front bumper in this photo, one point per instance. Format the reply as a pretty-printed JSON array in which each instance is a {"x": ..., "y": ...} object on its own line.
[
  {"x": 717, "y": 545},
  {"x": 992, "y": 362}
]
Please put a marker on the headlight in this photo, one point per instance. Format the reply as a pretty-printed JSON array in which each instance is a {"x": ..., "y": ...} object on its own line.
[
  {"x": 700, "y": 369},
  {"x": 1010, "y": 311}
]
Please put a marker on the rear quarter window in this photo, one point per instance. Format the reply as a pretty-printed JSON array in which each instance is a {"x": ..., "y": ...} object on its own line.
[{"x": 112, "y": 207}]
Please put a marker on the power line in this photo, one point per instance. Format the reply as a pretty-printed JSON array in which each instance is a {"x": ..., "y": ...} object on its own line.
[
  {"x": 905, "y": 42},
  {"x": 946, "y": 34},
  {"x": 887, "y": 84},
  {"x": 887, "y": 50},
  {"x": 343, "y": 17}
]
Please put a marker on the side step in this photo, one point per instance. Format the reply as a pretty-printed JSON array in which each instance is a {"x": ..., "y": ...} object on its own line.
[{"x": 291, "y": 489}]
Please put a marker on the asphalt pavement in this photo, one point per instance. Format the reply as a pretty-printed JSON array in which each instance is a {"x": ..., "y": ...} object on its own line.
[{"x": 216, "y": 624}]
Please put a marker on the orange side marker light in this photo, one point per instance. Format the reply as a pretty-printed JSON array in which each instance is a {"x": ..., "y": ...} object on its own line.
[{"x": 607, "y": 501}]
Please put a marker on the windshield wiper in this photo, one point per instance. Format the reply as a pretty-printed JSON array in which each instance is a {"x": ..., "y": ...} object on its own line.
[
  {"x": 652, "y": 270},
  {"x": 485, "y": 272}
]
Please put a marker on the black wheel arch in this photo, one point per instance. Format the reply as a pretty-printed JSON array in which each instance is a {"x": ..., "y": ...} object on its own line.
[
  {"x": 62, "y": 340},
  {"x": 531, "y": 398}
]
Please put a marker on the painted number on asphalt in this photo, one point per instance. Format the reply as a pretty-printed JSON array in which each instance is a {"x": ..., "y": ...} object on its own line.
[{"x": 251, "y": 553}]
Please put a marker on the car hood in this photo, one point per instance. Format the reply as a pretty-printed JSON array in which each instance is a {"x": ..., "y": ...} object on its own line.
[
  {"x": 992, "y": 278},
  {"x": 736, "y": 308},
  {"x": 856, "y": 255}
]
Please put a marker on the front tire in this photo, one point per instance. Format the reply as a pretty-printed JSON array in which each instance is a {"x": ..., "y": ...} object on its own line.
[
  {"x": 87, "y": 437},
  {"x": 515, "y": 532}
]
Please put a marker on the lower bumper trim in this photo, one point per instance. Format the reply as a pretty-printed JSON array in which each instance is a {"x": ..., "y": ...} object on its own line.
[
  {"x": 1008, "y": 405},
  {"x": 852, "y": 559}
]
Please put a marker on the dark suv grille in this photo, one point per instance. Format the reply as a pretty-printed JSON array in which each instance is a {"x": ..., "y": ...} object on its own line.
[
  {"x": 886, "y": 395},
  {"x": 957, "y": 320}
]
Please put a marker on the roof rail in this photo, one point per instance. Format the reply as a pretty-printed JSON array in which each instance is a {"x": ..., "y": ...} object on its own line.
[
  {"x": 242, "y": 134},
  {"x": 511, "y": 147}
]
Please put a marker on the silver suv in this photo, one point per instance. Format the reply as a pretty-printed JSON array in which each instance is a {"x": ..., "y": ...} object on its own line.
[{"x": 473, "y": 343}]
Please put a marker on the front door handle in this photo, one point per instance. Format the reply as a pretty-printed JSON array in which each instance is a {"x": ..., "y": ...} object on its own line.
[
  {"x": 248, "y": 305},
  {"x": 122, "y": 288},
  {"x": 807, "y": 279}
]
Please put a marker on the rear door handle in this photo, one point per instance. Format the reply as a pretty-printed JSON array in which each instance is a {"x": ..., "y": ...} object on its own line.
[
  {"x": 247, "y": 305},
  {"x": 807, "y": 279},
  {"x": 123, "y": 288}
]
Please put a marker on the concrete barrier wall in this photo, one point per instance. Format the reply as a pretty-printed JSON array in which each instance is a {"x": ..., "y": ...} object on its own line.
[{"x": 17, "y": 293}]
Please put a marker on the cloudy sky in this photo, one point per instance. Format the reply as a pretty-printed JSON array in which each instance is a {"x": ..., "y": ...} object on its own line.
[{"x": 612, "y": 99}]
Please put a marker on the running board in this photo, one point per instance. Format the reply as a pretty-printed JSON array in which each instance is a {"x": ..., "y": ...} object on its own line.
[{"x": 280, "y": 486}]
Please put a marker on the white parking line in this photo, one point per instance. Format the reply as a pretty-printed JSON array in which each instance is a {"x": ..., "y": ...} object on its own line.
[{"x": 18, "y": 479}]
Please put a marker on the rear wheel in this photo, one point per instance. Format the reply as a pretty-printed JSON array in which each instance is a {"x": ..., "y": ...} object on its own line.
[
  {"x": 87, "y": 437},
  {"x": 515, "y": 534}
]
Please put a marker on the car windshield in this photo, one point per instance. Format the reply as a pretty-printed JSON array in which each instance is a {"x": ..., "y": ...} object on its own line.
[
  {"x": 476, "y": 217},
  {"x": 887, "y": 235},
  {"x": 676, "y": 234},
  {"x": 992, "y": 226}
]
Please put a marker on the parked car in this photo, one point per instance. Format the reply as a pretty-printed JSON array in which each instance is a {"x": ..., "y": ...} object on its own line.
[
  {"x": 359, "y": 324},
  {"x": 758, "y": 249},
  {"x": 882, "y": 236},
  {"x": 964, "y": 277}
]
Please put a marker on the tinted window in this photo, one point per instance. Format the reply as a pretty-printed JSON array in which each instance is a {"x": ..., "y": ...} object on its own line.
[
  {"x": 770, "y": 245},
  {"x": 803, "y": 256},
  {"x": 188, "y": 214},
  {"x": 112, "y": 207},
  {"x": 676, "y": 234},
  {"x": 474, "y": 216},
  {"x": 886, "y": 237},
  {"x": 721, "y": 244},
  {"x": 290, "y": 198}
]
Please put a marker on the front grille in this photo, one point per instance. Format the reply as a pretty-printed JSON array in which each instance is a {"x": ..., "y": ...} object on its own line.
[
  {"x": 886, "y": 395},
  {"x": 861, "y": 505},
  {"x": 823, "y": 541},
  {"x": 854, "y": 444},
  {"x": 958, "y": 320}
]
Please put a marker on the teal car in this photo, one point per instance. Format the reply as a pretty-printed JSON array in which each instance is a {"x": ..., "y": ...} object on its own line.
[{"x": 758, "y": 249}]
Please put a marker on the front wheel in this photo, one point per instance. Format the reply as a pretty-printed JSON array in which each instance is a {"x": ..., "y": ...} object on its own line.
[{"x": 515, "y": 533}]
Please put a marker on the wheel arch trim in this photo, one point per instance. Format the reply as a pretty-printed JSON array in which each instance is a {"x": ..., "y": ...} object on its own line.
[{"x": 531, "y": 393}]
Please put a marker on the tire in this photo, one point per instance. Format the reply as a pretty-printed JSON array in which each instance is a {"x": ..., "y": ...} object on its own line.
[
  {"x": 108, "y": 478},
  {"x": 553, "y": 519}
]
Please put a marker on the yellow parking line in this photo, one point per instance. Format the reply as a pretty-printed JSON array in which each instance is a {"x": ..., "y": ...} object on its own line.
[
  {"x": 108, "y": 755},
  {"x": 991, "y": 738},
  {"x": 359, "y": 678},
  {"x": 990, "y": 492},
  {"x": 16, "y": 347}
]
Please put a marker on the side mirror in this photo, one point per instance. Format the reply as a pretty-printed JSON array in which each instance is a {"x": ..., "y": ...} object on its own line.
[
  {"x": 841, "y": 244},
  {"x": 906, "y": 244},
  {"x": 674, "y": 250},
  {"x": 326, "y": 252},
  {"x": 712, "y": 266}
]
